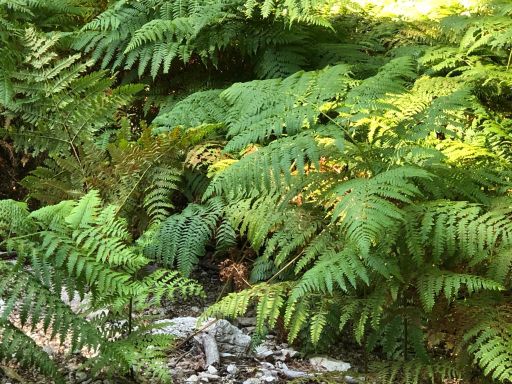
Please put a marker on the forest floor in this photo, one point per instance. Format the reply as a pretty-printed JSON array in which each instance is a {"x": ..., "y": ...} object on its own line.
[{"x": 241, "y": 358}]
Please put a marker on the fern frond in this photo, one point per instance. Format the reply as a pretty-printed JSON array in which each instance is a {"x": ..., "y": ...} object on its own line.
[
  {"x": 363, "y": 207},
  {"x": 182, "y": 238}
]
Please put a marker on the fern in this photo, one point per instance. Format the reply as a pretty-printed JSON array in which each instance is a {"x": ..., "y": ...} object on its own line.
[
  {"x": 332, "y": 271},
  {"x": 371, "y": 199},
  {"x": 182, "y": 238},
  {"x": 369, "y": 172},
  {"x": 57, "y": 106},
  {"x": 81, "y": 246},
  {"x": 492, "y": 351},
  {"x": 269, "y": 301},
  {"x": 15, "y": 344},
  {"x": 414, "y": 372},
  {"x": 364, "y": 210},
  {"x": 430, "y": 285},
  {"x": 154, "y": 36}
]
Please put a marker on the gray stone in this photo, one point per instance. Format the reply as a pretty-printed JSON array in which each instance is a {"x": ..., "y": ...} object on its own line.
[
  {"x": 229, "y": 338},
  {"x": 208, "y": 376},
  {"x": 290, "y": 373},
  {"x": 212, "y": 370},
  {"x": 252, "y": 380},
  {"x": 288, "y": 353},
  {"x": 49, "y": 350},
  {"x": 181, "y": 327},
  {"x": 232, "y": 369},
  {"x": 262, "y": 351},
  {"x": 328, "y": 364},
  {"x": 192, "y": 379},
  {"x": 210, "y": 348},
  {"x": 267, "y": 376},
  {"x": 293, "y": 374}
]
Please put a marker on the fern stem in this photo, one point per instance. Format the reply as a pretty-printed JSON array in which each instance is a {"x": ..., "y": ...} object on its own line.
[
  {"x": 130, "y": 315},
  {"x": 77, "y": 157},
  {"x": 348, "y": 137},
  {"x": 22, "y": 236},
  {"x": 286, "y": 266},
  {"x": 121, "y": 206},
  {"x": 406, "y": 339}
]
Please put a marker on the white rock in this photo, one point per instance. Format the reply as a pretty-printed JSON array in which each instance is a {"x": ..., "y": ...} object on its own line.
[
  {"x": 212, "y": 370},
  {"x": 232, "y": 369},
  {"x": 267, "y": 375},
  {"x": 329, "y": 364},
  {"x": 192, "y": 379},
  {"x": 262, "y": 352},
  {"x": 208, "y": 376},
  {"x": 229, "y": 338},
  {"x": 181, "y": 327},
  {"x": 49, "y": 350},
  {"x": 252, "y": 380},
  {"x": 210, "y": 348},
  {"x": 288, "y": 353},
  {"x": 290, "y": 373},
  {"x": 293, "y": 374}
]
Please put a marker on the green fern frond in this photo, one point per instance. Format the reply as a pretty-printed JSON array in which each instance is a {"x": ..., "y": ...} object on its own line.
[
  {"x": 13, "y": 217},
  {"x": 332, "y": 271},
  {"x": 415, "y": 372},
  {"x": 432, "y": 283},
  {"x": 157, "y": 197},
  {"x": 182, "y": 238},
  {"x": 363, "y": 207},
  {"x": 15, "y": 344},
  {"x": 489, "y": 342}
]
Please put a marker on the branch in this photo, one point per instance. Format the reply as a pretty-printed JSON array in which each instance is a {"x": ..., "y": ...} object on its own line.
[{"x": 7, "y": 255}]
